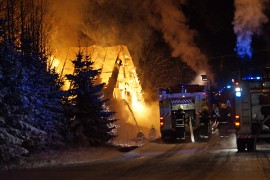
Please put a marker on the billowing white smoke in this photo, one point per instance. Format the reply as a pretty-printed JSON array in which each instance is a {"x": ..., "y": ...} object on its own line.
[
  {"x": 172, "y": 22},
  {"x": 248, "y": 20}
]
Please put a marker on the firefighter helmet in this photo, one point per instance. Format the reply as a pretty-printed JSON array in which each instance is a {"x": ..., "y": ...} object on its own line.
[
  {"x": 180, "y": 107},
  {"x": 205, "y": 108},
  {"x": 223, "y": 105}
]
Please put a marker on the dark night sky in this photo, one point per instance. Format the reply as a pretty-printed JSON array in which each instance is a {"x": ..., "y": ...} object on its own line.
[{"x": 213, "y": 21}]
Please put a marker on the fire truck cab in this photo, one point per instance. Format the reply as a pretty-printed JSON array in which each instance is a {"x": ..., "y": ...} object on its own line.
[
  {"x": 252, "y": 108},
  {"x": 172, "y": 101}
]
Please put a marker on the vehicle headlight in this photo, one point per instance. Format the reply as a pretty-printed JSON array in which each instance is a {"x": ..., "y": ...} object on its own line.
[
  {"x": 237, "y": 89},
  {"x": 266, "y": 84}
]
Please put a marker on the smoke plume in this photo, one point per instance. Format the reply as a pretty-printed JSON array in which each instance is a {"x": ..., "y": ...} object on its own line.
[
  {"x": 172, "y": 22},
  {"x": 110, "y": 23},
  {"x": 67, "y": 21},
  {"x": 103, "y": 23},
  {"x": 248, "y": 20}
]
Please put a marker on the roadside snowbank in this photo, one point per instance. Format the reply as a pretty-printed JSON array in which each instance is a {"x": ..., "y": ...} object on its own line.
[{"x": 75, "y": 156}]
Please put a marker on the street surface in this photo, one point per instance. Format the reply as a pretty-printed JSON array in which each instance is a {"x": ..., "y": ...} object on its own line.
[{"x": 216, "y": 159}]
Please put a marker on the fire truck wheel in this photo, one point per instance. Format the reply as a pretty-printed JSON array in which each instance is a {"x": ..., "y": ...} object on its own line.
[
  {"x": 167, "y": 139},
  {"x": 251, "y": 145},
  {"x": 241, "y": 145}
]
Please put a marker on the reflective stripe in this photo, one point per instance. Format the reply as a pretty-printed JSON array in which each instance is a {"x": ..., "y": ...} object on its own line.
[
  {"x": 165, "y": 115},
  {"x": 244, "y": 136},
  {"x": 181, "y": 101},
  {"x": 179, "y": 126}
]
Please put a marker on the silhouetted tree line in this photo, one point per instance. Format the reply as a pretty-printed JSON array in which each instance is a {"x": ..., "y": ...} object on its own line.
[{"x": 158, "y": 69}]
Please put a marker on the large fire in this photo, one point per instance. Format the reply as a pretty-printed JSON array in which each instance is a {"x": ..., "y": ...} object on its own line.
[{"x": 117, "y": 71}]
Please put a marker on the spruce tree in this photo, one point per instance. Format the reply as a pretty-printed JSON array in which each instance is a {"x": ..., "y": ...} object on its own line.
[
  {"x": 18, "y": 133},
  {"x": 46, "y": 101},
  {"x": 31, "y": 109},
  {"x": 92, "y": 123}
]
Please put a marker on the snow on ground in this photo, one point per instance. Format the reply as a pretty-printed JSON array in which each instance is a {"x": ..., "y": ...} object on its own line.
[
  {"x": 75, "y": 156},
  {"x": 68, "y": 157}
]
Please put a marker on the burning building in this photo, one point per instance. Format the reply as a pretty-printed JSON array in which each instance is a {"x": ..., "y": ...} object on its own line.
[
  {"x": 122, "y": 85},
  {"x": 117, "y": 70}
]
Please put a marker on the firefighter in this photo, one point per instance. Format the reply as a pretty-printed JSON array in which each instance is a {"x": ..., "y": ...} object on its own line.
[
  {"x": 140, "y": 137},
  {"x": 224, "y": 120},
  {"x": 181, "y": 108},
  {"x": 152, "y": 133},
  {"x": 183, "y": 113},
  {"x": 180, "y": 118},
  {"x": 215, "y": 117},
  {"x": 205, "y": 118}
]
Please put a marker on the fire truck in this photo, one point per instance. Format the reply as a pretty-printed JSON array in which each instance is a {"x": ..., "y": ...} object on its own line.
[
  {"x": 252, "y": 109},
  {"x": 191, "y": 99}
]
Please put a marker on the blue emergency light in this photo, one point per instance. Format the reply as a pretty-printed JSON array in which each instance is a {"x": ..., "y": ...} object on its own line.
[
  {"x": 238, "y": 94},
  {"x": 251, "y": 78}
]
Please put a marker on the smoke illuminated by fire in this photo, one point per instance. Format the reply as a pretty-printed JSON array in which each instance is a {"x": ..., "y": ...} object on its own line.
[
  {"x": 248, "y": 20},
  {"x": 110, "y": 23}
]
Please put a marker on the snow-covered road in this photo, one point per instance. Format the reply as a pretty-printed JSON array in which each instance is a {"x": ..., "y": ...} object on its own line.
[{"x": 216, "y": 159}]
